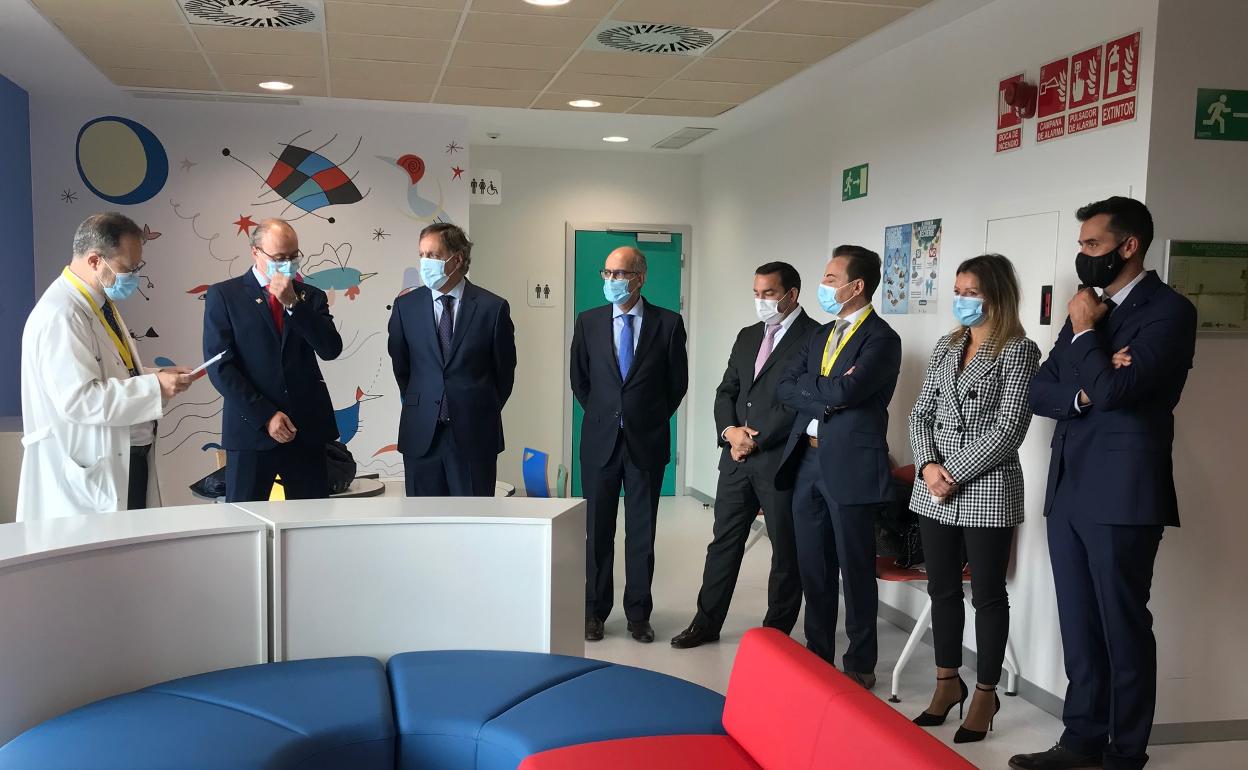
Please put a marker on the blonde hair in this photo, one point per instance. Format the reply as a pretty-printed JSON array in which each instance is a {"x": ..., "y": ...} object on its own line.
[{"x": 998, "y": 285}]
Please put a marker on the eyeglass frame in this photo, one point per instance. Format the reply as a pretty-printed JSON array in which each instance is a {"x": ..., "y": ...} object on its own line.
[
  {"x": 618, "y": 275},
  {"x": 281, "y": 257}
]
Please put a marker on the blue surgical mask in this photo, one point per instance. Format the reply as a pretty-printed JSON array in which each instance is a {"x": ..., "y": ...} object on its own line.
[
  {"x": 287, "y": 268},
  {"x": 969, "y": 311},
  {"x": 124, "y": 284},
  {"x": 433, "y": 273},
  {"x": 616, "y": 290},
  {"x": 828, "y": 300}
]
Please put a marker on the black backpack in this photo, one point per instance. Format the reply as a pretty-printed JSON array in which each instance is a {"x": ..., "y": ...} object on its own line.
[{"x": 338, "y": 460}]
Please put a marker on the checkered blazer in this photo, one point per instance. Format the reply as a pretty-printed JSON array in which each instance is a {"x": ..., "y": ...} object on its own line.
[{"x": 972, "y": 422}]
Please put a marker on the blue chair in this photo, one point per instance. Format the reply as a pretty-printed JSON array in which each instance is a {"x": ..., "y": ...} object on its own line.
[{"x": 533, "y": 467}]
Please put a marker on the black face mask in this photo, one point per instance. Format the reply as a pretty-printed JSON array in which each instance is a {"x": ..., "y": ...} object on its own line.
[{"x": 1100, "y": 271}]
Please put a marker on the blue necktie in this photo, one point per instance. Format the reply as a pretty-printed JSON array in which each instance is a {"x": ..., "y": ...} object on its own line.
[
  {"x": 626, "y": 346},
  {"x": 446, "y": 327},
  {"x": 112, "y": 321}
]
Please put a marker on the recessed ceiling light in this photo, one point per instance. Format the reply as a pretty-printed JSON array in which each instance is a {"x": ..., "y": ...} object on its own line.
[
  {"x": 547, "y": 2},
  {"x": 615, "y": 138},
  {"x": 584, "y": 104},
  {"x": 276, "y": 85}
]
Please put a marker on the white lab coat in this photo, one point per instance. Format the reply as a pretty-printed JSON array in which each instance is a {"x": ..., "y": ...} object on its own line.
[{"x": 78, "y": 403}]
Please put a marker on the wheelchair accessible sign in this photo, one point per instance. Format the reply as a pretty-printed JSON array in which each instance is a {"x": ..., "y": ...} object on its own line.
[{"x": 1222, "y": 115}]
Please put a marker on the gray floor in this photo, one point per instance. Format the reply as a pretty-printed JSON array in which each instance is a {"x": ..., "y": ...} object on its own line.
[{"x": 684, "y": 531}]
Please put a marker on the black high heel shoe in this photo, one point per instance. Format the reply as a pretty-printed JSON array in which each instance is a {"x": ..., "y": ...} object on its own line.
[
  {"x": 964, "y": 735},
  {"x": 928, "y": 719}
]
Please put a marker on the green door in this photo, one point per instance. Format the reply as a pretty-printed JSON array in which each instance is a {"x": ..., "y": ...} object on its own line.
[{"x": 662, "y": 288}]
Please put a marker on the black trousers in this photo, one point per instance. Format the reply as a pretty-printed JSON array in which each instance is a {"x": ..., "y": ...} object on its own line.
[
  {"x": 738, "y": 497},
  {"x": 987, "y": 550},
  {"x": 136, "y": 491},
  {"x": 443, "y": 472},
  {"x": 1103, "y": 574},
  {"x": 601, "y": 486},
  {"x": 249, "y": 474},
  {"x": 836, "y": 543}
]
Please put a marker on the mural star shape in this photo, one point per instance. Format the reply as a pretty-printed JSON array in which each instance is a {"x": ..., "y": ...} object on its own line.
[
  {"x": 187, "y": 164},
  {"x": 68, "y": 196},
  {"x": 457, "y": 172},
  {"x": 245, "y": 225},
  {"x": 380, "y": 234},
  {"x": 453, "y": 148}
]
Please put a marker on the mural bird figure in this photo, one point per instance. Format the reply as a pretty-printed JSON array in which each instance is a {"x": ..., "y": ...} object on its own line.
[
  {"x": 348, "y": 418},
  {"x": 419, "y": 207}
]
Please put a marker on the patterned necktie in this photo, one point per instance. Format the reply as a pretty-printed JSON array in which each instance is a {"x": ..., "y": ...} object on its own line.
[
  {"x": 116, "y": 327},
  {"x": 841, "y": 326},
  {"x": 626, "y": 346},
  {"x": 446, "y": 329},
  {"x": 764, "y": 350}
]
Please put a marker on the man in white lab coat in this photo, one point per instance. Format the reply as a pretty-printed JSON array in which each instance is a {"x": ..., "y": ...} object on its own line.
[{"x": 89, "y": 409}]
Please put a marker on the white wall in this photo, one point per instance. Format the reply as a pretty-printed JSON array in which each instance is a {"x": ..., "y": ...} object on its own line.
[
  {"x": 923, "y": 117},
  {"x": 1197, "y": 191},
  {"x": 525, "y": 236}
]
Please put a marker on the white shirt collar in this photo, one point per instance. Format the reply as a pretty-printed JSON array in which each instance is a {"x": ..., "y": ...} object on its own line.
[
  {"x": 457, "y": 292},
  {"x": 853, "y": 317},
  {"x": 1122, "y": 294},
  {"x": 261, "y": 277},
  {"x": 616, "y": 312}
]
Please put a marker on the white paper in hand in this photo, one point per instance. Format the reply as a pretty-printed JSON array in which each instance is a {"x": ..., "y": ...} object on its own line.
[{"x": 199, "y": 370}]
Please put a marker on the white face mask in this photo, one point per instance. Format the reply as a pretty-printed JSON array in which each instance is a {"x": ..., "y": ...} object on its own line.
[{"x": 768, "y": 310}]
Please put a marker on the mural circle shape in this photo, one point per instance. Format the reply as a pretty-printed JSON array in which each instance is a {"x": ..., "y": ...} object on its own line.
[{"x": 121, "y": 160}]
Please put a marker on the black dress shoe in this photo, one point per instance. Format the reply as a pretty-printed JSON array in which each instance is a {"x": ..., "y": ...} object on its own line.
[
  {"x": 694, "y": 636},
  {"x": 867, "y": 680},
  {"x": 641, "y": 631},
  {"x": 1057, "y": 758},
  {"x": 593, "y": 630}
]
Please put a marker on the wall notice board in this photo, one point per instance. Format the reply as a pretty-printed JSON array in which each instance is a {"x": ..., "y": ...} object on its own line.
[{"x": 1214, "y": 276}]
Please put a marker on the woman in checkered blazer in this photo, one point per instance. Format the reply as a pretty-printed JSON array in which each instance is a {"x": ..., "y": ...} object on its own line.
[{"x": 965, "y": 430}]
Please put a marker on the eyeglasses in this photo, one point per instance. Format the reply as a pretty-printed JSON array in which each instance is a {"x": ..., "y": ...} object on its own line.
[
  {"x": 619, "y": 275},
  {"x": 296, "y": 254},
  {"x": 133, "y": 271}
]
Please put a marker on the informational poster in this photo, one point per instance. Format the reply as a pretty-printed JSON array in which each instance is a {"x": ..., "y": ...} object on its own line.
[
  {"x": 1009, "y": 122},
  {"x": 911, "y": 267},
  {"x": 1051, "y": 100},
  {"x": 1085, "y": 90},
  {"x": 1214, "y": 276}
]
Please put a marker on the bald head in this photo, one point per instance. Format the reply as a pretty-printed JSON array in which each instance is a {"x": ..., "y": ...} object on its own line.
[
  {"x": 627, "y": 258},
  {"x": 273, "y": 239}
]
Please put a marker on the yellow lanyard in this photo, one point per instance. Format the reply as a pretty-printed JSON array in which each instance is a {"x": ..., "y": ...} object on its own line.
[
  {"x": 122, "y": 347},
  {"x": 830, "y": 355}
]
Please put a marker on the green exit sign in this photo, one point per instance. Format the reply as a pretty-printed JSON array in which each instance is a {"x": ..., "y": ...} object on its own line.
[
  {"x": 1222, "y": 114},
  {"x": 854, "y": 183}
]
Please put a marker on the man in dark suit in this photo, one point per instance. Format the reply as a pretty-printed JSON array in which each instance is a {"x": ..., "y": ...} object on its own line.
[
  {"x": 836, "y": 460},
  {"x": 1112, "y": 381},
  {"x": 753, "y": 426},
  {"x": 629, "y": 372},
  {"x": 453, "y": 347},
  {"x": 271, "y": 326}
]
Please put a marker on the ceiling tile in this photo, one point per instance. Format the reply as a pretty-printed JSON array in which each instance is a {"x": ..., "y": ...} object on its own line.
[
  {"x": 146, "y": 58},
  {"x": 141, "y": 78},
  {"x": 553, "y": 101},
  {"x": 486, "y": 97},
  {"x": 302, "y": 86},
  {"x": 263, "y": 64},
  {"x": 495, "y": 77},
  {"x": 810, "y": 17},
  {"x": 717, "y": 14},
  {"x": 611, "y": 85},
  {"x": 268, "y": 41},
  {"x": 741, "y": 71},
  {"x": 529, "y": 57},
  {"x": 680, "y": 109},
  {"x": 173, "y": 37},
  {"x": 446, "y": 5},
  {"x": 583, "y": 9},
  {"x": 364, "y": 69},
  {"x": 702, "y": 91},
  {"x": 386, "y": 48},
  {"x": 142, "y": 11},
  {"x": 633, "y": 64},
  {"x": 378, "y": 89},
  {"x": 771, "y": 46},
  {"x": 526, "y": 29},
  {"x": 398, "y": 20}
]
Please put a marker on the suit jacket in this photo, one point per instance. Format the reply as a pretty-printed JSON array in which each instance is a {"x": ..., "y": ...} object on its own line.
[
  {"x": 1116, "y": 453},
  {"x": 477, "y": 376},
  {"x": 973, "y": 421},
  {"x": 645, "y": 402},
  {"x": 852, "y": 410},
  {"x": 744, "y": 400},
  {"x": 264, "y": 373}
]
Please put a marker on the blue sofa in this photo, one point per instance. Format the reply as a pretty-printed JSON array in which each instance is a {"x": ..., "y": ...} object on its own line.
[{"x": 452, "y": 710}]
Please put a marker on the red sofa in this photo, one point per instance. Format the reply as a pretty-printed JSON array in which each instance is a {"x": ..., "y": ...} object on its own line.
[{"x": 786, "y": 710}]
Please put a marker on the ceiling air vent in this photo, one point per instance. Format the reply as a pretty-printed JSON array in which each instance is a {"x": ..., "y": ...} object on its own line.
[
  {"x": 256, "y": 14},
  {"x": 683, "y": 138},
  {"x": 633, "y": 37}
]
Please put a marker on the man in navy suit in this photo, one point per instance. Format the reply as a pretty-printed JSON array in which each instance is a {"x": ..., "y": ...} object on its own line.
[
  {"x": 1111, "y": 382},
  {"x": 271, "y": 326},
  {"x": 836, "y": 459},
  {"x": 453, "y": 348},
  {"x": 629, "y": 372}
]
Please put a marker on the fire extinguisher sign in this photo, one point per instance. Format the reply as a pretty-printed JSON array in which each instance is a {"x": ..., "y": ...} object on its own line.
[{"x": 1122, "y": 69}]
